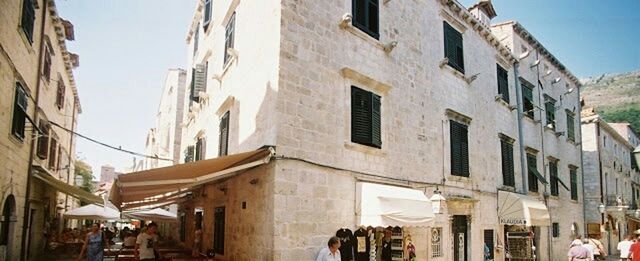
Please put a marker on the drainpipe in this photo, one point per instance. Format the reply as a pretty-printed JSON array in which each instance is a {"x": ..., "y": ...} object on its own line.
[
  {"x": 73, "y": 124},
  {"x": 34, "y": 131},
  {"x": 520, "y": 114}
]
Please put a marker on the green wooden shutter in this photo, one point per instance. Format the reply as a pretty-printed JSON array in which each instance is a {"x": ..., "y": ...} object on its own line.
[
  {"x": 361, "y": 120},
  {"x": 218, "y": 230},
  {"x": 531, "y": 166},
  {"x": 229, "y": 37},
  {"x": 574, "y": 183},
  {"x": 193, "y": 95},
  {"x": 223, "y": 148},
  {"x": 453, "y": 47},
  {"x": 459, "y": 149},
  {"x": 503, "y": 83},
  {"x": 200, "y": 81},
  {"x": 366, "y": 16},
  {"x": 550, "y": 108},
  {"x": 19, "y": 112},
  {"x": 376, "y": 124},
  {"x": 28, "y": 18},
  {"x": 570, "y": 127},
  {"x": 553, "y": 172},
  {"x": 507, "y": 163}
]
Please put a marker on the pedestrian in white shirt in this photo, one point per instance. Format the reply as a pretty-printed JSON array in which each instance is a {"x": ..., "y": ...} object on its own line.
[
  {"x": 624, "y": 246},
  {"x": 591, "y": 248},
  {"x": 331, "y": 252}
]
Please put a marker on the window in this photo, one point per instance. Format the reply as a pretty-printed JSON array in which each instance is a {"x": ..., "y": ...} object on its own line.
[
  {"x": 189, "y": 154},
  {"x": 527, "y": 100},
  {"x": 436, "y": 242},
  {"x": 571, "y": 132},
  {"x": 508, "y": 177},
  {"x": 550, "y": 108},
  {"x": 574, "y": 182},
  {"x": 207, "y": 14},
  {"x": 200, "y": 149},
  {"x": 532, "y": 167},
  {"x": 365, "y": 16},
  {"x": 196, "y": 35},
  {"x": 53, "y": 148},
  {"x": 46, "y": 69},
  {"x": 229, "y": 36},
  {"x": 218, "y": 230},
  {"x": 60, "y": 94},
  {"x": 198, "y": 81},
  {"x": 365, "y": 118},
  {"x": 183, "y": 227},
  {"x": 453, "y": 47},
  {"x": 553, "y": 172},
  {"x": 459, "y": 149},
  {"x": 503, "y": 83},
  {"x": 19, "y": 112},
  {"x": 489, "y": 242},
  {"x": 223, "y": 148},
  {"x": 556, "y": 229},
  {"x": 43, "y": 140},
  {"x": 28, "y": 16}
]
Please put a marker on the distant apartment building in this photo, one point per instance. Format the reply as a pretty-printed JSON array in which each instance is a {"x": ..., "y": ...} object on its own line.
[
  {"x": 611, "y": 179},
  {"x": 164, "y": 140}
]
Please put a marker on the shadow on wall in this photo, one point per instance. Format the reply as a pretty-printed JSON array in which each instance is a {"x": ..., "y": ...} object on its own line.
[{"x": 265, "y": 124}]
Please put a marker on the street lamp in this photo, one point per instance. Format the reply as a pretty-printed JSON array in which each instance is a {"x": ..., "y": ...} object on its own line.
[
  {"x": 437, "y": 202},
  {"x": 601, "y": 208}
]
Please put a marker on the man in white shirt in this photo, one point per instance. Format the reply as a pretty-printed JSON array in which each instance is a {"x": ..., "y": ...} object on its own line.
[
  {"x": 624, "y": 246},
  {"x": 331, "y": 252},
  {"x": 146, "y": 243},
  {"x": 591, "y": 248}
]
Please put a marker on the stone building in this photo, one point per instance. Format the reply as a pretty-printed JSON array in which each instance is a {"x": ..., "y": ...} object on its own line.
[
  {"x": 355, "y": 95},
  {"x": 39, "y": 108},
  {"x": 163, "y": 141},
  {"x": 611, "y": 179}
]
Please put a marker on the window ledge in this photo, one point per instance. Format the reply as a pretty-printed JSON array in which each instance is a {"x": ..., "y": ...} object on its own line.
[
  {"x": 529, "y": 118},
  {"x": 508, "y": 188},
  {"x": 365, "y": 149},
  {"x": 23, "y": 36},
  {"x": 504, "y": 103},
  {"x": 347, "y": 25},
  {"x": 460, "y": 178},
  {"x": 17, "y": 140},
  {"x": 455, "y": 72},
  {"x": 572, "y": 142}
]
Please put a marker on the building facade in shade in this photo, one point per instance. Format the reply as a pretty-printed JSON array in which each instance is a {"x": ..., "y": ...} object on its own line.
[
  {"x": 163, "y": 141},
  {"x": 422, "y": 96},
  {"x": 611, "y": 179},
  {"x": 39, "y": 108}
]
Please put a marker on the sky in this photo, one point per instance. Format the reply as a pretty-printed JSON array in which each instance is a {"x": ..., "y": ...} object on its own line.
[{"x": 126, "y": 47}]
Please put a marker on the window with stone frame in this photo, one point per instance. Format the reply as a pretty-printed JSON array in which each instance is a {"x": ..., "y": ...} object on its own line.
[
  {"x": 571, "y": 129},
  {"x": 459, "y": 143},
  {"x": 532, "y": 163},
  {"x": 196, "y": 36},
  {"x": 42, "y": 150},
  {"x": 60, "y": 91},
  {"x": 46, "y": 66},
  {"x": 19, "y": 118},
  {"x": 219, "y": 230},
  {"x": 206, "y": 20},
  {"x": 506, "y": 149},
  {"x": 53, "y": 148},
  {"x": 200, "y": 149},
  {"x": 550, "y": 109},
  {"x": 573, "y": 176},
  {"x": 527, "y": 100},
  {"x": 229, "y": 38},
  {"x": 555, "y": 229},
  {"x": 366, "y": 124},
  {"x": 553, "y": 174},
  {"x": 453, "y": 47},
  {"x": 223, "y": 147},
  {"x": 366, "y": 16},
  {"x": 28, "y": 18},
  {"x": 503, "y": 83}
]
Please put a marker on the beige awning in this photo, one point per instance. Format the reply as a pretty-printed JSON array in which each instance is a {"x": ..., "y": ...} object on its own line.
[
  {"x": 162, "y": 184},
  {"x": 385, "y": 205},
  {"x": 518, "y": 209},
  {"x": 44, "y": 175}
]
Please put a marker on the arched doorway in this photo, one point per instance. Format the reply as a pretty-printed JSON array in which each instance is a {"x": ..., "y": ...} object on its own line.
[{"x": 7, "y": 226}]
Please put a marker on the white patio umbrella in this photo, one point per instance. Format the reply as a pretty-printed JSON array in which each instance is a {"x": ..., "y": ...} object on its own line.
[
  {"x": 156, "y": 214},
  {"x": 93, "y": 212}
]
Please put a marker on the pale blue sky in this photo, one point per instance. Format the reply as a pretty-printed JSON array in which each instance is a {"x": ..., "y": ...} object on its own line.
[{"x": 126, "y": 47}]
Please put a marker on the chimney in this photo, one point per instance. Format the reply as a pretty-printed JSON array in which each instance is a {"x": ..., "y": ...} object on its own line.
[{"x": 483, "y": 10}]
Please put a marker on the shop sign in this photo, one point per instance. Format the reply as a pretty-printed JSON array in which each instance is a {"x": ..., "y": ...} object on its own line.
[{"x": 513, "y": 221}]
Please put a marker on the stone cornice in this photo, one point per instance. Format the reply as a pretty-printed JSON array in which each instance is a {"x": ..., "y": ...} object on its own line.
[{"x": 460, "y": 12}]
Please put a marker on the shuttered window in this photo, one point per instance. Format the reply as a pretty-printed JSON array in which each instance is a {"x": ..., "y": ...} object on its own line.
[
  {"x": 19, "y": 112},
  {"x": 366, "y": 16},
  {"x": 365, "y": 118},
  {"x": 53, "y": 148},
  {"x": 508, "y": 177},
  {"x": 207, "y": 14},
  {"x": 527, "y": 100},
  {"x": 503, "y": 83},
  {"x": 532, "y": 164},
  {"x": 199, "y": 81},
  {"x": 550, "y": 108},
  {"x": 459, "y": 149},
  {"x": 489, "y": 242},
  {"x": 189, "y": 154},
  {"x": 223, "y": 148},
  {"x": 60, "y": 94},
  {"x": 553, "y": 172},
  {"x": 46, "y": 67},
  {"x": 43, "y": 141},
  {"x": 218, "y": 230},
  {"x": 28, "y": 17},
  {"x": 555, "y": 229},
  {"x": 571, "y": 132},
  {"x": 453, "y": 49},
  {"x": 200, "y": 149},
  {"x": 574, "y": 182},
  {"x": 230, "y": 33}
]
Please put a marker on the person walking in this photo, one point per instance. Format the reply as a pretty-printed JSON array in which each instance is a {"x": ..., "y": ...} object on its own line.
[
  {"x": 634, "y": 250},
  {"x": 599, "y": 253},
  {"x": 577, "y": 252},
  {"x": 331, "y": 252},
  {"x": 147, "y": 244},
  {"x": 94, "y": 244},
  {"x": 624, "y": 246}
]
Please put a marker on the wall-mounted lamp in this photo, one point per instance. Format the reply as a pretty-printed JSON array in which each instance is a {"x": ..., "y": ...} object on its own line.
[
  {"x": 601, "y": 208},
  {"x": 437, "y": 202}
]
